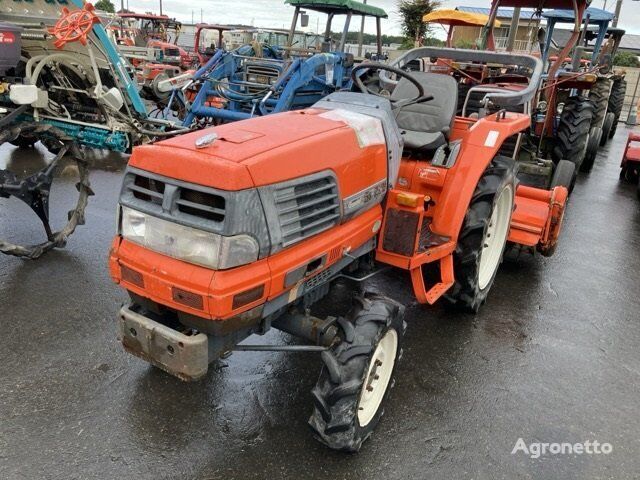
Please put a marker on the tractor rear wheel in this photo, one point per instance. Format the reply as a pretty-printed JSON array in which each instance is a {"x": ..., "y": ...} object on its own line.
[
  {"x": 616, "y": 100},
  {"x": 483, "y": 235},
  {"x": 572, "y": 136},
  {"x": 358, "y": 373}
]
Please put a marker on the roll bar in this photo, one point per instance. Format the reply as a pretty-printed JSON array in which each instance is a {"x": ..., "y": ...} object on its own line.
[{"x": 503, "y": 99}]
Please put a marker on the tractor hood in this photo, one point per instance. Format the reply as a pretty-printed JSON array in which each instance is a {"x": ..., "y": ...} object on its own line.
[{"x": 254, "y": 152}]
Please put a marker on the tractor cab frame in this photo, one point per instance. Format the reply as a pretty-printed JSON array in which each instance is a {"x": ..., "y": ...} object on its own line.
[
  {"x": 563, "y": 130},
  {"x": 601, "y": 85},
  {"x": 205, "y": 52}
]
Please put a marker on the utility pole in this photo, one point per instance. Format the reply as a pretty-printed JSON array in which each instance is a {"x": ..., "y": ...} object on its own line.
[
  {"x": 201, "y": 16},
  {"x": 361, "y": 34},
  {"x": 513, "y": 29},
  {"x": 617, "y": 14},
  {"x": 160, "y": 7}
]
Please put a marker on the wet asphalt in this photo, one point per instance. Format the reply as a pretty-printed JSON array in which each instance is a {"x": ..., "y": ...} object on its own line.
[{"x": 552, "y": 357}]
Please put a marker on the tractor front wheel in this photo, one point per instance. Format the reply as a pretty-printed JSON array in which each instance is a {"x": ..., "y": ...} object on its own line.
[
  {"x": 564, "y": 175},
  {"x": 609, "y": 120},
  {"x": 595, "y": 135},
  {"x": 358, "y": 373},
  {"x": 616, "y": 100},
  {"x": 483, "y": 235},
  {"x": 599, "y": 96}
]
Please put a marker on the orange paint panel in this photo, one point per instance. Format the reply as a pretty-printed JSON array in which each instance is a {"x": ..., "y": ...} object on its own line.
[
  {"x": 161, "y": 273},
  {"x": 460, "y": 128},
  {"x": 356, "y": 168},
  {"x": 226, "y": 284},
  {"x": 350, "y": 235},
  {"x": 268, "y": 133},
  {"x": 191, "y": 166},
  {"x": 481, "y": 144},
  {"x": 530, "y": 216}
]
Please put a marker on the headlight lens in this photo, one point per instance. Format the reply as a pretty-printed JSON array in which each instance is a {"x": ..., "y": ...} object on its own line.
[{"x": 187, "y": 243}]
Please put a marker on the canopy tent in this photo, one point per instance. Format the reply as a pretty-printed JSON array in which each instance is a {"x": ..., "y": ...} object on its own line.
[{"x": 455, "y": 18}]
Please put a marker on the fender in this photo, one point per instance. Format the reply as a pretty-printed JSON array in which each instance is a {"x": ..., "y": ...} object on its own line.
[{"x": 482, "y": 142}]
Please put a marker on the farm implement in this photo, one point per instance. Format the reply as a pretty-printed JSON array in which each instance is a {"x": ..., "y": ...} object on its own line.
[{"x": 64, "y": 84}]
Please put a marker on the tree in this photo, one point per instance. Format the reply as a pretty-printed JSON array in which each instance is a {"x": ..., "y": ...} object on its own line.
[
  {"x": 626, "y": 59},
  {"x": 411, "y": 12},
  {"x": 105, "y": 6}
]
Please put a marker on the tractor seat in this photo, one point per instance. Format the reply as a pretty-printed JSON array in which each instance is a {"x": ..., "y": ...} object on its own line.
[{"x": 426, "y": 126}]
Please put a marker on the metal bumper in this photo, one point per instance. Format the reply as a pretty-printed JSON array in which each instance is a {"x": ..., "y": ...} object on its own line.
[{"x": 184, "y": 356}]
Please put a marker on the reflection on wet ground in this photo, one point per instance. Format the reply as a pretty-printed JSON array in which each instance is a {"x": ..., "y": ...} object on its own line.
[{"x": 551, "y": 357}]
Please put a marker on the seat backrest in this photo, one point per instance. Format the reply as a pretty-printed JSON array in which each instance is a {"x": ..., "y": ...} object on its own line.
[{"x": 434, "y": 116}]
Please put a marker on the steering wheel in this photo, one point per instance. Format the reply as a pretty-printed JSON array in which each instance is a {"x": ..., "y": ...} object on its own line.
[{"x": 357, "y": 79}]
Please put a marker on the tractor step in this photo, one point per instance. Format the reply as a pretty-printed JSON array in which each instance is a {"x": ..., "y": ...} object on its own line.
[{"x": 437, "y": 291}]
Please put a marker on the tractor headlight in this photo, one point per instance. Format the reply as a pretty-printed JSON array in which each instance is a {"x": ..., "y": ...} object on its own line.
[
  {"x": 186, "y": 243},
  {"x": 560, "y": 108}
]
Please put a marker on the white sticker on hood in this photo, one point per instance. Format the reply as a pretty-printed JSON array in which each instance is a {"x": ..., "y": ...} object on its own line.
[{"x": 368, "y": 129}]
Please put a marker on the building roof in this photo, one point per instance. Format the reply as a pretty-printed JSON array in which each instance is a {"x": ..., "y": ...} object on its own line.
[
  {"x": 629, "y": 41},
  {"x": 525, "y": 13},
  {"x": 340, "y": 6}
]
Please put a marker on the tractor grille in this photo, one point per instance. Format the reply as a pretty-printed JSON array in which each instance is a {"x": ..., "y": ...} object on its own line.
[
  {"x": 148, "y": 189},
  {"x": 318, "y": 279},
  {"x": 158, "y": 195},
  {"x": 201, "y": 204},
  {"x": 305, "y": 209},
  {"x": 260, "y": 77},
  {"x": 224, "y": 212}
]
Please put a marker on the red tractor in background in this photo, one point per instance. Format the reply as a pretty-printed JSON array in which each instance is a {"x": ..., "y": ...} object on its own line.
[
  {"x": 150, "y": 43},
  {"x": 230, "y": 231},
  {"x": 565, "y": 133},
  {"x": 630, "y": 165},
  {"x": 205, "y": 50}
]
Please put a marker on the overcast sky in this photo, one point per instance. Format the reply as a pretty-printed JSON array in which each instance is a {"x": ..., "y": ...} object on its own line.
[{"x": 274, "y": 13}]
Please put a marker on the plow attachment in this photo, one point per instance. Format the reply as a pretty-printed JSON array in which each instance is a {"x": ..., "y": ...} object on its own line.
[{"x": 34, "y": 190}]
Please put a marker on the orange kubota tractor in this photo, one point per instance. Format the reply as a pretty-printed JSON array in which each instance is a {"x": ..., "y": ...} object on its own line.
[{"x": 231, "y": 231}]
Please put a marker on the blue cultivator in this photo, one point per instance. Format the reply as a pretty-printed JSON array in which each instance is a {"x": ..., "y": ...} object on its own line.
[{"x": 260, "y": 80}]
